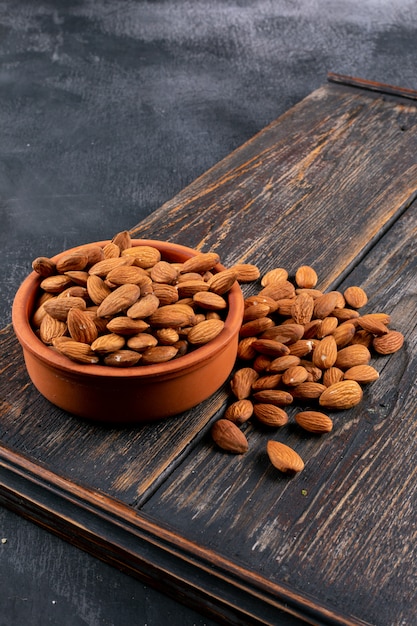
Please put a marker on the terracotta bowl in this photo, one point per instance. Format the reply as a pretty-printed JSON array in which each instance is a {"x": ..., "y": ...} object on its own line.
[{"x": 135, "y": 394}]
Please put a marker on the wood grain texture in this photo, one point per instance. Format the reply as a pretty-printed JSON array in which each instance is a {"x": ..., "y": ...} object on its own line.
[
  {"x": 122, "y": 462},
  {"x": 345, "y": 526},
  {"x": 316, "y": 187},
  {"x": 331, "y": 183}
]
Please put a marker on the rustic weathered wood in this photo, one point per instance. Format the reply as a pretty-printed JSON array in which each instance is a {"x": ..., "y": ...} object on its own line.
[
  {"x": 323, "y": 185},
  {"x": 345, "y": 526}
]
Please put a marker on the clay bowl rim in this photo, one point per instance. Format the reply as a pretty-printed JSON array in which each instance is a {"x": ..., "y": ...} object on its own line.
[{"x": 22, "y": 310}]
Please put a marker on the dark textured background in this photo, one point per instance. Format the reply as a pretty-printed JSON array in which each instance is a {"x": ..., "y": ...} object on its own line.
[{"x": 107, "y": 110}]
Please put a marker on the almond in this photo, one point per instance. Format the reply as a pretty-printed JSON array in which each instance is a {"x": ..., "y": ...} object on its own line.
[
  {"x": 308, "y": 390},
  {"x": 277, "y": 397},
  {"x": 79, "y": 277},
  {"x": 284, "y": 333},
  {"x": 122, "y": 358},
  {"x": 255, "y": 311},
  {"x": 201, "y": 262},
  {"x": 43, "y": 266},
  {"x": 352, "y": 355},
  {"x": 241, "y": 382},
  {"x": 342, "y": 395},
  {"x": 102, "y": 268},
  {"x": 325, "y": 353},
  {"x": 81, "y": 327},
  {"x": 164, "y": 272},
  {"x": 55, "y": 284},
  {"x": 345, "y": 314},
  {"x": 270, "y": 347},
  {"x": 118, "y": 300},
  {"x": 314, "y": 421},
  {"x": 141, "y": 342},
  {"x": 306, "y": 277},
  {"x": 158, "y": 354},
  {"x": 122, "y": 240},
  {"x": 144, "y": 307},
  {"x": 246, "y": 272},
  {"x": 389, "y": 343},
  {"x": 97, "y": 289},
  {"x": 127, "y": 274},
  {"x": 205, "y": 331},
  {"x": 294, "y": 375},
  {"x": 302, "y": 309},
  {"x": 166, "y": 336},
  {"x": 245, "y": 351},
  {"x": 222, "y": 282},
  {"x": 108, "y": 343},
  {"x": 302, "y": 347},
  {"x": 332, "y": 375},
  {"x": 229, "y": 437},
  {"x": 94, "y": 253},
  {"x": 276, "y": 276},
  {"x": 72, "y": 261},
  {"x": 324, "y": 305},
  {"x": 166, "y": 294},
  {"x": 327, "y": 327},
  {"x": 169, "y": 315},
  {"x": 355, "y": 297},
  {"x": 75, "y": 350},
  {"x": 344, "y": 334},
  {"x": 59, "y": 307},
  {"x": 278, "y": 291},
  {"x": 362, "y": 374},
  {"x": 239, "y": 412},
  {"x": 372, "y": 325},
  {"x": 187, "y": 288},
  {"x": 270, "y": 415},
  {"x": 50, "y": 328},
  {"x": 255, "y": 327},
  {"x": 266, "y": 382},
  {"x": 209, "y": 300},
  {"x": 123, "y": 325},
  {"x": 111, "y": 251},
  {"x": 284, "y": 458},
  {"x": 142, "y": 256},
  {"x": 282, "y": 363}
]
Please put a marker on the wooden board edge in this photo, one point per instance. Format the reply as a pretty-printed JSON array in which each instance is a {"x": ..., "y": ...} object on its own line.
[
  {"x": 370, "y": 85},
  {"x": 137, "y": 545}
]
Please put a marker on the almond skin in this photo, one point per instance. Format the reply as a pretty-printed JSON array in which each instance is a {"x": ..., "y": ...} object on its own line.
[
  {"x": 284, "y": 458},
  {"x": 342, "y": 395},
  {"x": 277, "y": 397},
  {"x": 229, "y": 437},
  {"x": 362, "y": 374},
  {"x": 325, "y": 353},
  {"x": 389, "y": 343},
  {"x": 355, "y": 297},
  {"x": 81, "y": 327},
  {"x": 270, "y": 415},
  {"x": 352, "y": 355},
  {"x": 314, "y": 421},
  {"x": 118, "y": 300},
  {"x": 205, "y": 331},
  {"x": 241, "y": 382},
  {"x": 239, "y": 412},
  {"x": 306, "y": 277}
]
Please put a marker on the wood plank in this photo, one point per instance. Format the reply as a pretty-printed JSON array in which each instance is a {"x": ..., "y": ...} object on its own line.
[
  {"x": 343, "y": 529},
  {"x": 321, "y": 185},
  {"x": 321, "y": 197}
]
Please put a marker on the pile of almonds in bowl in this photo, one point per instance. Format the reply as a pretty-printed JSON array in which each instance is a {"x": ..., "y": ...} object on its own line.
[
  {"x": 123, "y": 305},
  {"x": 301, "y": 346}
]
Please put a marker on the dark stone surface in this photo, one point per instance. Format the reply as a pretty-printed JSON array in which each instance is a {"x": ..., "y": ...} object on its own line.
[{"x": 108, "y": 109}]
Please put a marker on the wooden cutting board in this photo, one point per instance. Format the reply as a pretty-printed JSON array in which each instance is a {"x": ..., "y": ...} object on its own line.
[{"x": 331, "y": 183}]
